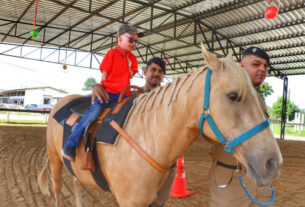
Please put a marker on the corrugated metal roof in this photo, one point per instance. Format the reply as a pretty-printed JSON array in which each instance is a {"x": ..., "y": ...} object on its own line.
[{"x": 173, "y": 28}]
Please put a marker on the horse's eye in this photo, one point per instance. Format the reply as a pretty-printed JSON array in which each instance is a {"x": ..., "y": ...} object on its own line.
[{"x": 233, "y": 96}]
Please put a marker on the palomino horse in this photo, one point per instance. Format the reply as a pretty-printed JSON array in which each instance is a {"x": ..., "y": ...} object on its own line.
[{"x": 164, "y": 122}]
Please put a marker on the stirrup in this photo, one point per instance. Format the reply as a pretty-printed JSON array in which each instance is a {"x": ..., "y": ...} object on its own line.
[{"x": 89, "y": 135}]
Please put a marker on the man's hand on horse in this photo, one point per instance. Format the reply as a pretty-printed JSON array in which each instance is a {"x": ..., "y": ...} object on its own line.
[{"x": 99, "y": 92}]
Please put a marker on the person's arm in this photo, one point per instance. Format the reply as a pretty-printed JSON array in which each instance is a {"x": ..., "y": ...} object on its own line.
[
  {"x": 104, "y": 75},
  {"x": 99, "y": 92},
  {"x": 134, "y": 66}
]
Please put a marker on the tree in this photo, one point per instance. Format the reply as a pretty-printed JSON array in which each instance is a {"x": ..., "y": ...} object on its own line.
[
  {"x": 265, "y": 89},
  {"x": 88, "y": 85},
  {"x": 276, "y": 110},
  {"x": 294, "y": 110}
]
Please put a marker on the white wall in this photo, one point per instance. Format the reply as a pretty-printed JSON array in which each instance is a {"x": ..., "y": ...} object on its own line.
[
  {"x": 36, "y": 96},
  {"x": 33, "y": 96}
]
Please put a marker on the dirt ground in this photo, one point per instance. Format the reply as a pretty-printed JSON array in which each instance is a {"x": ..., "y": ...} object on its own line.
[{"x": 23, "y": 151}]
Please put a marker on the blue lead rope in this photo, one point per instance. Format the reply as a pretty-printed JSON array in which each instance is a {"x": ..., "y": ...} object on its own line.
[{"x": 252, "y": 199}]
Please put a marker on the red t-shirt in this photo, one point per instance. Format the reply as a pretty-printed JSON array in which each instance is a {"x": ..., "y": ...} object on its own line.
[{"x": 117, "y": 66}]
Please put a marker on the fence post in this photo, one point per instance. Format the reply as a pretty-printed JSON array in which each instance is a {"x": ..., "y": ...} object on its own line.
[
  {"x": 296, "y": 121},
  {"x": 45, "y": 117},
  {"x": 8, "y": 116},
  {"x": 302, "y": 121}
]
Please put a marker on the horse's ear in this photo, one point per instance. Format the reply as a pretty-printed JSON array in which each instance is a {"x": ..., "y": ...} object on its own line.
[
  {"x": 229, "y": 57},
  {"x": 211, "y": 59}
]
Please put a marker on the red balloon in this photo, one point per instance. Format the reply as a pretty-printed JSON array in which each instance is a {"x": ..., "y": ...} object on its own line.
[{"x": 271, "y": 12}]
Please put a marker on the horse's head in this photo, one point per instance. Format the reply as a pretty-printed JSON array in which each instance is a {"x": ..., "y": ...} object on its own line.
[{"x": 236, "y": 110}]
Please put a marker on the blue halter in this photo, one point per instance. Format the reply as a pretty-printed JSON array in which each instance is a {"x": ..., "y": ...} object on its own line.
[{"x": 228, "y": 146}]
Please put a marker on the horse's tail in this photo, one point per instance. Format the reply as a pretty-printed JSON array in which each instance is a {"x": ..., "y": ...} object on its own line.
[{"x": 43, "y": 179}]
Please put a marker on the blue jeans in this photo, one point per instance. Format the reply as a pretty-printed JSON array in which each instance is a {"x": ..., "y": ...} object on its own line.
[{"x": 93, "y": 112}]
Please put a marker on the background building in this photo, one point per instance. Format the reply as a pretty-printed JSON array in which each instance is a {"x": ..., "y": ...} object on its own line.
[{"x": 37, "y": 95}]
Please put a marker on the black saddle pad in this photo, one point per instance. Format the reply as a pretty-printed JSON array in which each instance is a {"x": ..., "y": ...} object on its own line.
[
  {"x": 78, "y": 106},
  {"x": 106, "y": 133}
]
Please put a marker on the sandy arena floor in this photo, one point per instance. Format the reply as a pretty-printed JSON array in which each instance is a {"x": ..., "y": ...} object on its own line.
[{"x": 22, "y": 152}]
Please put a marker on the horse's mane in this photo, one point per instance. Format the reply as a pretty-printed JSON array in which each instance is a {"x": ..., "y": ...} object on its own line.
[
  {"x": 147, "y": 101},
  {"x": 174, "y": 86}
]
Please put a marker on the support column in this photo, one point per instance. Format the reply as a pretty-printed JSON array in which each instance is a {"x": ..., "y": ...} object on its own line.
[{"x": 284, "y": 106}]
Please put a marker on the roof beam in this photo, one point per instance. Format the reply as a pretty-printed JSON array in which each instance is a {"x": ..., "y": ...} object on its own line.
[
  {"x": 81, "y": 21},
  {"x": 267, "y": 29},
  {"x": 291, "y": 45},
  {"x": 299, "y": 73},
  {"x": 172, "y": 65},
  {"x": 207, "y": 13},
  {"x": 275, "y": 72},
  {"x": 254, "y": 31},
  {"x": 186, "y": 4},
  {"x": 275, "y": 69},
  {"x": 189, "y": 19},
  {"x": 291, "y": 68},
  {"x": 288, "y": 54},
  {"x": 146, "y": 20},
  {"x": 287, "y": 61},
  {"x": 39, "y": 25},
  {"x": 52, "y": 19},
  {"x": 271, "y": 57},
  {"x": 294, "y": 45},
  {"x": 107, "y": 24},
  {"x": 283, "y": 37},
  {"x": 21, "y": 16},
  {"x": 112, "y": 20},
  {"x": 261, "y": 16}
]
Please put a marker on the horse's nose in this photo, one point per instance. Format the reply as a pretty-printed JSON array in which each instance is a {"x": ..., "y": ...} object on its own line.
[{"x": 271, "y": 164}]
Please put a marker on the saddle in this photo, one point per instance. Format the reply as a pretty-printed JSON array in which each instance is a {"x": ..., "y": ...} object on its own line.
[{"x": 98, "y": 130}]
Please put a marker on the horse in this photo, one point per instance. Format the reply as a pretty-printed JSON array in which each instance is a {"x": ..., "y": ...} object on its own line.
[{"x": 164, "y": 123}]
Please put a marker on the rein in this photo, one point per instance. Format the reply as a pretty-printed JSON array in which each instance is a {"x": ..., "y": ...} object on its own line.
[
  {"x": 138, "y": 149},
  {"x": 229, "y": 146}
]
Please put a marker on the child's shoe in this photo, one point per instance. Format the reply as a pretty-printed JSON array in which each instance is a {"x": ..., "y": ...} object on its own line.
[{"x": 69, "y": 153}]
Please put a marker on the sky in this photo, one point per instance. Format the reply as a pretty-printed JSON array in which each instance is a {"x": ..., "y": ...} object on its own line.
[{"x": 23, "y": 73}]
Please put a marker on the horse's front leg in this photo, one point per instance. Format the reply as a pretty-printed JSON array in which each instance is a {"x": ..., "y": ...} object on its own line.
[
  {"x": 56, "y": 169},
  {"x": 57, "y": 200},
  {"x": 77, "y": 193}
]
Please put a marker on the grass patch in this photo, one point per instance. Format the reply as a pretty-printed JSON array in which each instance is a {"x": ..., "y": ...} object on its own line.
[
  {"x": 21, "y": 113},
  {"x": 289, "y": 130},
  {"x": 23, "y": 122}
]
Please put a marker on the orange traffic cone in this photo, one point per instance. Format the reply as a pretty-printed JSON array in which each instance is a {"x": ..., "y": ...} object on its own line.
[{"x": 179, "y": 188}]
